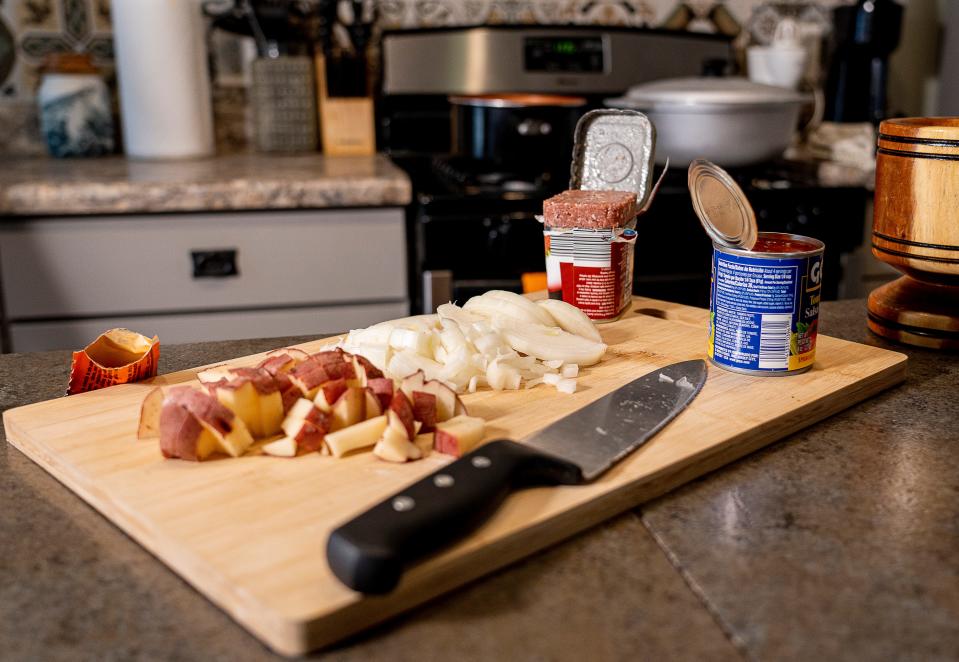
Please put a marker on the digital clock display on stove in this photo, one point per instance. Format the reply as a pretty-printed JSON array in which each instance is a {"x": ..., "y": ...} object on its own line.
[{"x": 579, "y": 55}]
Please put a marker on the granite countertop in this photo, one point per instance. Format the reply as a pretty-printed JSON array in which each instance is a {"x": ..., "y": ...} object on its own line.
[
  {"x": 839, "y": 542},
  {"x": 117, "y": 185}
]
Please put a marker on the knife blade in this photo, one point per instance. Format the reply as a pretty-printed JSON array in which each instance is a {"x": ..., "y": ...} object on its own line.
[{"x": 369, "y": 552}]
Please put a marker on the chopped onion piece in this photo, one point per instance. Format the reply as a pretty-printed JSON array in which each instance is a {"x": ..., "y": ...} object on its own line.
[
  {"x": 474, "y": 381},
  {"x": 566, "y": 386},
  {"x": 569, "y": 370},
  {"x": 530, "y": 383},
  {"x": 685, "y": 383},
  {"x": 553, "y": 365},
  {"x": 552, "y": 378},
  {"x": 666, "y": 378}
]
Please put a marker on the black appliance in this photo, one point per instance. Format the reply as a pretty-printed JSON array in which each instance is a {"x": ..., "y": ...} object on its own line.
[
  {"x": 864, "y": 36},
  {"x": 472, "y": 225}
]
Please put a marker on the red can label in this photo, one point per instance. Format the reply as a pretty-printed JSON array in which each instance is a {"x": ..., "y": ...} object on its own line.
[{"x": 591, "y": 269}]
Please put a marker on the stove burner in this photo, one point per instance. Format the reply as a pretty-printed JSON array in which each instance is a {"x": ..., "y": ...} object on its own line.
[{"x": 478, "y": 178}]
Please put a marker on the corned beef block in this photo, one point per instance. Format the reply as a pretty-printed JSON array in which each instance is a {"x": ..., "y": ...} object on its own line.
[{"x": 590, "y": 209}]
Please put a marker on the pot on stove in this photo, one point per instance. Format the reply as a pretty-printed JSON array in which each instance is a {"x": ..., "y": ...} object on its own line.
[{"x": 521, "y": 130}]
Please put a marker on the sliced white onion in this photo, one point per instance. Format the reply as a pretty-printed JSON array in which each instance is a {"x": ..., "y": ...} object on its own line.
[
  {"x": 518, "y": 300},
  {"x": 494, "y": 309},
  {"x": 453, "y": 312},
  {"x": 571, "y": 319},
  {"x": 551, "y": 344}
]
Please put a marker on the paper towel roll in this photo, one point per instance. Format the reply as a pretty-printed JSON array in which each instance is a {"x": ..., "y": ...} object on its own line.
[{"x": 162, "y": 73}]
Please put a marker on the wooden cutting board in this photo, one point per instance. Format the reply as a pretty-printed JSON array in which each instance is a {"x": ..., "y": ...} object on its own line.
[{"x": 250, "y": 533}]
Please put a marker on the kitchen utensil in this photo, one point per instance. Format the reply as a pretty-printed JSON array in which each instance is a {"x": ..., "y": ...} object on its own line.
[
  {"x": 520, "y": 131},
  {"x": 916, "y": 230},
  {"x": 730, "y": 121},
  {"x": 368, "y": 553},
  {"x": 283, "y": 97},
  {"x": 249, "y": 532}
]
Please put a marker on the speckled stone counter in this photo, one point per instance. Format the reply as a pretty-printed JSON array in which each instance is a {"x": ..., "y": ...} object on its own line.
[
  {"x": 116, "y": 185},
  {"x": 837, "y": 543}
]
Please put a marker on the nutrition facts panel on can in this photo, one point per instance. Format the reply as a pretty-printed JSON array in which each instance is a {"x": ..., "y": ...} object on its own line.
[{"x": 755, "y": 302}]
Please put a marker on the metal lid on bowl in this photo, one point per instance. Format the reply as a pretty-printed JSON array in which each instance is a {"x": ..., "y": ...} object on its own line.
[
  {"x": 722, "y": 206},
  {"x": 614, "y": 152}
]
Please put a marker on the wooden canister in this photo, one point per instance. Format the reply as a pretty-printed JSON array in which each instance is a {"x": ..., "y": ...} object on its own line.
[
  {"x": 916, "y": 222},
  {"x": 916, "y": 230}
]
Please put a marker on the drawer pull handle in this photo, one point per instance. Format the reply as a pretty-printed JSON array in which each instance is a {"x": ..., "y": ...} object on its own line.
[{"x": 214, "y": 264}]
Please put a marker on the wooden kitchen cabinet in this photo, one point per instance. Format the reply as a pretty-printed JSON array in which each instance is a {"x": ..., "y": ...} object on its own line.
[{"x": 196, "y": 277}]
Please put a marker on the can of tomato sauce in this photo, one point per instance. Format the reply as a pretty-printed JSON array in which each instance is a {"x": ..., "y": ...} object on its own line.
[{"x": 765, "y": 286}]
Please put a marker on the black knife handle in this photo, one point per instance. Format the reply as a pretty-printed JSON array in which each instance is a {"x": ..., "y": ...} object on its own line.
[{"x": 369, "y": 553}]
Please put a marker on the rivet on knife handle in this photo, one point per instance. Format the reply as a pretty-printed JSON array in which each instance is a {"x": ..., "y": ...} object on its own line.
[{"x": 369, "y": 553}]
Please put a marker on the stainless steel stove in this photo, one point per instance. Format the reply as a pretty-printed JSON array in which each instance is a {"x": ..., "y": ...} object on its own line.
[{"x": 472, "y": 226}]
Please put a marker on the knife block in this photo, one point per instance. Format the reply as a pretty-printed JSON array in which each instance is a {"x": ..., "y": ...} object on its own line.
[
  {"x": 346, "y": 123},
  {"x": 916, "y": 230}
]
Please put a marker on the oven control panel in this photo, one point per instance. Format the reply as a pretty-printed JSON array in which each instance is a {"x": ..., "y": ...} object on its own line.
[{"x": 569, "y": 55}]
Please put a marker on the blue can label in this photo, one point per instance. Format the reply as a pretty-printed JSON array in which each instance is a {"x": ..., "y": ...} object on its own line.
[{"x": 764, "y": 312}]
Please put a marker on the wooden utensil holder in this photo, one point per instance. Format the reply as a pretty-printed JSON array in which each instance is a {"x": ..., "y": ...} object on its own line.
[
  {"x": 916, "y": 230},
  {"x": 346, "y": 123}
]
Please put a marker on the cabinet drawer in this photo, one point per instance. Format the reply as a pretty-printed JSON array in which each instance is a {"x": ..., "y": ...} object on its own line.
[
  {"x": 142, "y": 264},
  {"x": 201, "y": 327}
]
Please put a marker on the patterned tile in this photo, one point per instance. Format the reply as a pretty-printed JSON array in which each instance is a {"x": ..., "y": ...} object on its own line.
[{"x": 41, "y": 27}]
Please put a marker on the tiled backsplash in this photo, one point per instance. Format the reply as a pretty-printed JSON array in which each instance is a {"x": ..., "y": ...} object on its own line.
[{"x": 40, "y": 27}]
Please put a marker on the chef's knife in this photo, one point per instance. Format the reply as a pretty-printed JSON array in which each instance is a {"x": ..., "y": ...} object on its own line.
[{"x": 369, "y": 553}]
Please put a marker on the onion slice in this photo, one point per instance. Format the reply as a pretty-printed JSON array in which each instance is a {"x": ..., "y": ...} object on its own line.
[{"x": 571, "y": 319}]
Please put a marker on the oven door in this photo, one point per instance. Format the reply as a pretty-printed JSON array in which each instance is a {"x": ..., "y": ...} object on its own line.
[{"x": 460, "y": 255}]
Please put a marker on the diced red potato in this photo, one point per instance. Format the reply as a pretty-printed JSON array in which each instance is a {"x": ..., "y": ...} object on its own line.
[
  {"x": 348, "y": 397},
  {"x": 149, "y": 427},
  {"x": 306, "y": 424},
  {"x": 383, "y": 388},
  {"x": 373, "y": 407},
  {"x": 283, "y": 447},
  {"x": 447, "y": 402},
  {"x": 459, "y": 435},
  {"x": 215, "y": 374},
  {"x": 424, "y": 409},
  {"x": 348, "y": 408},
  {"x": 308, "y": 376},
  {"x": 360, "y": 436},
  {"x": 329, "y": 392},
  {"x": 187, "y": 413},
  {"x": 424, "y": 442},
  {"x": 395, "y": 446},
  {"x": 401, "y": 407},
  {"x": 364, "y": 370}
]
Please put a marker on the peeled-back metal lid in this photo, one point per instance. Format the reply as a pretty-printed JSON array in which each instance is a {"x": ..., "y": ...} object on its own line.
[
  {"x": 721, "y": 205},
  {"x": 614, "y": 152}
]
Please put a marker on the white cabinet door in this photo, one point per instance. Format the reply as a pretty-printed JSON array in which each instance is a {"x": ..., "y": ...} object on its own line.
[
  {"x": 197, "y": 327},
  {"x": 115, "y": 266}
]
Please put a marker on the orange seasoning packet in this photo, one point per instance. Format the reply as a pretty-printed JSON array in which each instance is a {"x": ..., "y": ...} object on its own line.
[{"x": 118, "y": 356}]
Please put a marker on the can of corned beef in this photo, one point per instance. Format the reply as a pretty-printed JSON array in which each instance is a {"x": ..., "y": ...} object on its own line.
[
  {"x": 765, "y": 286},
  {"x": 590, "y": 230}
]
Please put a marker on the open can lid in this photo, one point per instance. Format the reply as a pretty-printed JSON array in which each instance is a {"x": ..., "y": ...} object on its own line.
[
  {"x": 722, "y": 206},
  {"x": 614, "y": 152}
]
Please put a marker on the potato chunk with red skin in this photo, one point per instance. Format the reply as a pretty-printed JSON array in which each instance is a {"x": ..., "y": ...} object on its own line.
[
  {"x": 194, "y": 424},
  {"x": 424, "y": 410},
  {"x": 402, "y": 407}
]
